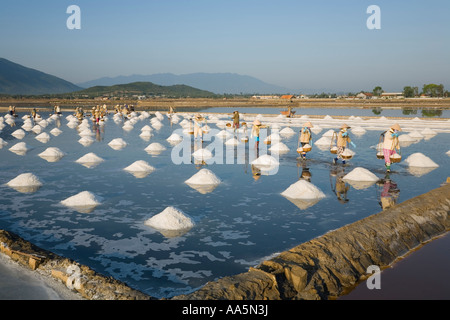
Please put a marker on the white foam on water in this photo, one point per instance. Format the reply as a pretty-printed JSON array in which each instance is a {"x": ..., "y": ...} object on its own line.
[
  {"x": 303, "y": 189},
  {"x": 420, "y": 160},
  {"x": 170, "y": 219}
]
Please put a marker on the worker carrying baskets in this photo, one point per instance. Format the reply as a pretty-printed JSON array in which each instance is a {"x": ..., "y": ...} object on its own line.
[
  {"x": 305, "y": 139},
  {"x": 391, "y": 146}
]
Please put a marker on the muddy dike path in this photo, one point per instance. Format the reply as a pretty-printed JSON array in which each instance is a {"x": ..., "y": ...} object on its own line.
[{"x": 324, "y": 268}]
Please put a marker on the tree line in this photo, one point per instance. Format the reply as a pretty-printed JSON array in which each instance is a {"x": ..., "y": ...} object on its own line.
[{"x": 431, "y": 90}]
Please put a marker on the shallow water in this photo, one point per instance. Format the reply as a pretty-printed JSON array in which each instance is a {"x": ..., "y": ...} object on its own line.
[{"x": 237, "y": 225}]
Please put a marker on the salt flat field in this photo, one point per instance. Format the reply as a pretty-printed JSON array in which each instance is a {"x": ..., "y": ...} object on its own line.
[{"x": 138, "y": 198}]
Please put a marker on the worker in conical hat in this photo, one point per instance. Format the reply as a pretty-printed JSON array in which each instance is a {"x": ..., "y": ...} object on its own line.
[
  {"x": 235, "y": 118},
  {"x": 343, "y": 139},
  {"x": 198, "y": 126},
  {"x": 305, "y": 137},
  {"x": 391, "y": 144},
  {"x": 256, "y": 129}
]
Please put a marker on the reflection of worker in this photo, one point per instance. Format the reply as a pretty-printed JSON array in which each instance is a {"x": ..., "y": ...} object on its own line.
[
  {"x": 341, "y": 188},
  {"x": 305, "y": 175},
  {"x": 389, "y": 193}
]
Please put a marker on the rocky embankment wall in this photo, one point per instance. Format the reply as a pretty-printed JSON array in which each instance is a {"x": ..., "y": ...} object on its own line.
[
  {"x": 328, "y": 266},
  {"x": 323, "y": 268}
]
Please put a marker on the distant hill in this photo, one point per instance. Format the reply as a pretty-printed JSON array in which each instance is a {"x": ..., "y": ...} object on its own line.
[
  {"x": 219, "y": 83},
  {"x": 144, "y": 89},
  {"x": 17, "y": 79}
]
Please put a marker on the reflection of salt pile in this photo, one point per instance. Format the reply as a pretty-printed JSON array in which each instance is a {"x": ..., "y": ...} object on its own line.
[
  {"x": 140, "y": 169},
  {"x": 117, "y": 144},
  {"x": 420, "y": 164},
  {"x": 52, "y": 154},
  {"x": 171, "y": 222},
  {"x": 90, "y": 160},
  {"x": 83, "y": 202},
  {"x": 360, "y": 178},
  {"x": 25, "y": 182},
  {"x": 204, "y": 181},
  {"x": 303, "y": 194}
]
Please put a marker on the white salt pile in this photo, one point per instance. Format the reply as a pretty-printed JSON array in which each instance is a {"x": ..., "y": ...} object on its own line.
[
  {"x": 232, "y": 142},
  {"x": 203, "y": 154},
  {"x": 52, "y": 154},
  {"x": 358, "y": 130},
  {"x": 56, "y": 132},
  {"x": 37, "y": 129},
  {"x": 89, "y": 160},
  {"x": 323, "y": 141},
  {"x": 448, "y": 153},
  {"x": 44, "y": 137},
  {"x": 287, "y": 131},
  {"x": 223, "y": 134},
  {"x": 25, "y": 182},
  {"x": 360, "y": 178},
  {"x": 175, "y": 137},
  {"x": 139, "y": 166},
  {"x": 316, "y": 129},
  {"x": 420, "y": 160},
  {"x": 19, "y": 148},
  {"x": 19, "y": 134},
  {"x": 84, "y": 201},
  {"x": 86, "y": 141},
  {"x": 204, "y": 177},
  {"x": 155, "y": 147},
  {"x": 117, "y": 144},
  {"x": 428, "y": 132},
  {"x": 265, "y": 160},
  {"x": 348, "y": 153},
  {"x": 279, "y": 147},
  {"x": 2, "y": 143},
  {"x": 416, "y": 135},
  {"x": 303, "y": 189},
  {"x": 170, "y": 219},
  {"x": 328, "y": 134}
]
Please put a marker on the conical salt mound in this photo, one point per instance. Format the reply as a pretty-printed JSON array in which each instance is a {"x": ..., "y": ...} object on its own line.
[
  {"x": 25, "y": 183},
  {"x": 83, "y": 202},
  {"x": 303, "y": 189},
  {"x": 140, "y": 169},
  {"x": 360, "y": 178},
  {"x": 171, "y": 219},
  {"x": 204, "y": 177},
  {"x": 52, "y": 154},
  {"x": 420, "y": 160},
  {"x": 265, "y": 160},
  {"x": 90, "y": 160}
]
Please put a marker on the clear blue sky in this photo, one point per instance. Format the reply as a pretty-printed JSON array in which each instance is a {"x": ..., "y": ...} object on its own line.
[{"x": 303, "y": 45}]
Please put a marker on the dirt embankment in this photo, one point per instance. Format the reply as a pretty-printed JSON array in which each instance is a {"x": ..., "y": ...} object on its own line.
[{"x": 164, "y": 104}]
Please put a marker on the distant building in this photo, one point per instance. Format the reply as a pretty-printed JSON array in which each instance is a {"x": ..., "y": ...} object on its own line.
[
  {"x": 392, "y": 95},
  {"x": 364, "y": 95},
  {"x": 288, "y": 96},
  {"x": 266, "y": 97}
]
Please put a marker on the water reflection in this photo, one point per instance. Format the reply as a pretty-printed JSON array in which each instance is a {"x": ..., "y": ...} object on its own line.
[
  {"x": 389, "y": 192},
  {"x": 340, "y": 188}
]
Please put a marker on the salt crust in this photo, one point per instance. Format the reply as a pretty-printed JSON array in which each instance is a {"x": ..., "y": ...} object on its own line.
[
  {"x": 170, "y": 219},
  {"x": 303, "y": 189},
  {"x": 204, "y": 177}
]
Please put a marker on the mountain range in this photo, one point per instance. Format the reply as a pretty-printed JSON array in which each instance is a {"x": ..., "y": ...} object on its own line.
[
  {"x": 17, "y": 79},
  {"x": 218, "y": 83}
]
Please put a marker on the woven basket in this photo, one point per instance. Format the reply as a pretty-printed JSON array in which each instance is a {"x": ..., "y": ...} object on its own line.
[
  {"x": 395, "y": 159},
  {"x": 300, "y": 150},
  {"x": 307, "y": 149},
  {"x": 380, "y": 155},
  {"x": 333, "y": 150}
]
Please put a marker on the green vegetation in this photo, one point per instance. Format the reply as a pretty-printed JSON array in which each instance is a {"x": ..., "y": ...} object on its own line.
[{"x": 141, "y": 90}]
